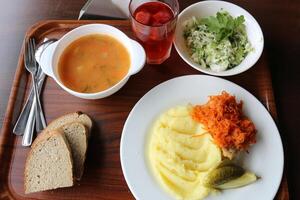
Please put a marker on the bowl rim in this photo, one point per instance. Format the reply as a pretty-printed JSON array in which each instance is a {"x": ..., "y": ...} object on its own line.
[{"x": 228, "y": 72}]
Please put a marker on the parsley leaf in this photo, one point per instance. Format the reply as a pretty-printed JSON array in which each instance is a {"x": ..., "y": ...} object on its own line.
[{"x": 223, "y": 24}]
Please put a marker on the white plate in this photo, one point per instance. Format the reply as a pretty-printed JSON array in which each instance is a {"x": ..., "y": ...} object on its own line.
[
  {"x": 265, "y": 157},
  {"x": 210, "y": 8}
]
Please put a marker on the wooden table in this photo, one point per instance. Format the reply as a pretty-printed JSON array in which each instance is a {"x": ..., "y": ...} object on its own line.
[{"x": 280, "y": 22}]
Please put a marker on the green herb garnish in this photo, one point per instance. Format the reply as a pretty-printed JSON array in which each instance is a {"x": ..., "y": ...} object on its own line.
[{"x": 224, "y": 25}]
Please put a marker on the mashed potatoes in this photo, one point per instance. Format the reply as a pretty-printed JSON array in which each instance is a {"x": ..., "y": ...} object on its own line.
[{"x": 178, "y": 158}]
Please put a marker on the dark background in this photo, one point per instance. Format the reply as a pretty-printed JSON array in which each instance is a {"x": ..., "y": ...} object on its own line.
[{"x": 280, "y": 22}]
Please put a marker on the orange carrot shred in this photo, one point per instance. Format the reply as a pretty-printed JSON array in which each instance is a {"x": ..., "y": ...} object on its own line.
[{"x": 223, "y": 118}]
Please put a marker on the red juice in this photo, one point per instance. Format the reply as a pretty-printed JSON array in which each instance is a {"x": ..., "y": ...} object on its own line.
[{"x": 154, "y": 28}]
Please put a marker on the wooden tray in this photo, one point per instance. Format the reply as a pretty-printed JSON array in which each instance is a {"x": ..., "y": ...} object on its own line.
[{"x": 103, "y": 178}]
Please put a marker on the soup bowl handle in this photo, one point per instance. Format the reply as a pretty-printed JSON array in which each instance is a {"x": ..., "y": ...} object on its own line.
[
  {"x": 139, "y": 57},
  {"x": 46, "y": 59}
]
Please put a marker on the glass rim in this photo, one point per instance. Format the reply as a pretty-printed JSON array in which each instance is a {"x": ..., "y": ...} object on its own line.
[{"x": 174, "y": 18}]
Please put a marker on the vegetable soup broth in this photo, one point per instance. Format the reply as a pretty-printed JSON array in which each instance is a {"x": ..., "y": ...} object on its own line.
[{"x": 93, "y": 63}]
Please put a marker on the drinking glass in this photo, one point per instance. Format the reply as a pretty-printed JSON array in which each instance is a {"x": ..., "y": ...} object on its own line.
[{"x": 153, "y": 24}]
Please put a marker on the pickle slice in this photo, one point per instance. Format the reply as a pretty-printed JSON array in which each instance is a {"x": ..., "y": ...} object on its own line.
[
  {"x": 226, "y": 162},
  {"x": 246, "y": 179},
  {"x": 223, "y": 175}
]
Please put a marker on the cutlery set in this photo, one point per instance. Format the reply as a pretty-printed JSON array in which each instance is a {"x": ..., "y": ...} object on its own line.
[{"x": 32, "y": 113}]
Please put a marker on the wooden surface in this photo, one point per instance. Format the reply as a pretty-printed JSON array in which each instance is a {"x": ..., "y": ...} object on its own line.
[
  {"x": 103, "y": 176},
  {"x": 280, "y": 22}
]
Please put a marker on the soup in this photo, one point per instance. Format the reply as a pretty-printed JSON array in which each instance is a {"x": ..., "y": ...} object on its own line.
[{"x": 93, "y": 63}]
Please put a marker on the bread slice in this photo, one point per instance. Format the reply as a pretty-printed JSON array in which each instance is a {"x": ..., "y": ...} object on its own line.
[
  {"x": 77, "y": 136},
  {"x": 70, "y": 118},
  {"x": 49, "y": 163},
  {"x": 76, "y": 127}
]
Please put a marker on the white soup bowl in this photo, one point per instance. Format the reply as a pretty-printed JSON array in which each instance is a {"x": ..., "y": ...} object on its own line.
[{"x": 50, "y": 57}]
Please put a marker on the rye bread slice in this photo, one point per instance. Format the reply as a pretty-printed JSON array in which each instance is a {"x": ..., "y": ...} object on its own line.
[
  {"x": 49, "y": 163},
  {"x": 70, "y": 118},
  {"x": 76, "y": 127},
  {"x": 77, "y": 136}
]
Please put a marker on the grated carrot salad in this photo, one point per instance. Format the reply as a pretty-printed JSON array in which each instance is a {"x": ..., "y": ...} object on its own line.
[{"x": 223, "y": 118}]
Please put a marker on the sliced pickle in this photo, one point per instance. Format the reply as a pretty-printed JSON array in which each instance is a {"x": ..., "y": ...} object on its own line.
[
  {"x": 223, "y": 175},
  {"x": 246, "y": 179},
  {"x": 226, "y": 162}
]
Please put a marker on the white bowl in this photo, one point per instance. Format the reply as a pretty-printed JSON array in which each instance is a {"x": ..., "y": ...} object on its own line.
[
  {"x": 50, "y": 57},
  {"x": 210, "y": 8}
]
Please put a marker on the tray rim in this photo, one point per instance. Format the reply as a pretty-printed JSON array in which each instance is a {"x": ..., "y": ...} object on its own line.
[{"x": 6, "y": 151}]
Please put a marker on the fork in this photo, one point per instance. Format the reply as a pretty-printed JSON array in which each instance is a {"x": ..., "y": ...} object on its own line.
[{"x": 31, "y": 66}]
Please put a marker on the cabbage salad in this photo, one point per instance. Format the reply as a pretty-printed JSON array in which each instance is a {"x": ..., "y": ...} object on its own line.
[{"x": 217, "y": 42}]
